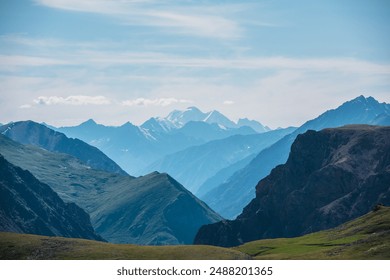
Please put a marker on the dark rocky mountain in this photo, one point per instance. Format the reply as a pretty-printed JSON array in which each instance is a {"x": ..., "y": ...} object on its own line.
[
  {"x": 149, "y": 210},
  {"x": 229, "y": 198},
  {"x": 194, "y": 165},
  {"x": 32, "y": 133},
  {"x": 330, "y": 177},
  {"x": 29, "y": 206}
]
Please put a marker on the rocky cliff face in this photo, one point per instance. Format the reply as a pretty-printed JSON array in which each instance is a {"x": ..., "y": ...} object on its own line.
[
  {"x": 330, "y": 177},
  {"x": 29, "y": 206}
]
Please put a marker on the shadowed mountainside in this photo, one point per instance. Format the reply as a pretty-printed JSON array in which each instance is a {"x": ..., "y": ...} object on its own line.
[
  {"x": 234, "y": 194},
  {"x": 152, "y": 209},
  {"x": 330, "y": 177},
  {"x": 29, "y": 206}
]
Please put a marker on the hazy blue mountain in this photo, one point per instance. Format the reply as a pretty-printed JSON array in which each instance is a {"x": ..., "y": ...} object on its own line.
[
  {"x": 194, "y": 165},
  {"x": 128, "y": 145},
  {"x": 134, "y": 148},
  {"x": 255, "y": 125},
  {"x": 29, "y": 206},
  {"x": 32, "y": 133},
  {"x": 157, "y": 126},
  {"x": 229, "y": 198},
  {"x": 382, "y": 119},
  {"x": 223, "y": 175},
  {"x": 204, "y": 132},
  {"x": 219, "y": 119},
  {"x": 330, "y": 177},
  {"x": 178, "y": 119},
  {"x": 152, "y": 209}
]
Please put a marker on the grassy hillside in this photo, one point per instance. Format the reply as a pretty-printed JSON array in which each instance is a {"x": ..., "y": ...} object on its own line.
[
  {"x": 26, "y": 246},
  {"x": 367, "y": 237},
  {"x": 151, "y": 209}
]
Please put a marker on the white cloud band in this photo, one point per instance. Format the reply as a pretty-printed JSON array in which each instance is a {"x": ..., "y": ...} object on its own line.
[
  {"x": 72, "y": 100},
  {"x": 154, "y": 102}
]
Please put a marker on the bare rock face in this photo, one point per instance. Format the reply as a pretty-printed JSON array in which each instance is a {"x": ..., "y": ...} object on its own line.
[{"x": 330, "y": 177}]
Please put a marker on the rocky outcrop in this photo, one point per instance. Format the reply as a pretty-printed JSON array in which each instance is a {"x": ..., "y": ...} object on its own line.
[{"x": 330, "y": 177}]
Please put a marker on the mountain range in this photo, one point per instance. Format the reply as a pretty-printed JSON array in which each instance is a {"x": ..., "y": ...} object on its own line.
[
  {"x": 212, "y": 157},
  {"x": 31, "y": 133},
  {"x": 152, "y": 209},
  {"x": 194, "y": 165},
  {"x": 177, "y": 119},
  {"x": 230, "y": 197},
  {"x": 136, "y": 147},
  {"x": 331, "y": 176}
]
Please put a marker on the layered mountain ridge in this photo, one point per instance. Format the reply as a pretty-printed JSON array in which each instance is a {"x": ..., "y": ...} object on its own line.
[
  {"x": 149, "y": 210},
  {"x": 136, "y": 147},
  {"x": 230, "y": 197},
  {"x": 32, "y": 133},
  {"x": 178, "y": 119},
  {"x": 330, "y": 177},
  {"x": 194, "y": 165},
  {"x": 29, "y": 206}
]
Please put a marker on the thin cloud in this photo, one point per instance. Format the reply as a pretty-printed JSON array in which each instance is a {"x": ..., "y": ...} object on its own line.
[
  {"x": 89, "y": 56},
  {"x": 25, "y": 106},
  {"x": 154, "y": 102},
  {"x": 250, "y": 63},
  {"x": 161, "y": 14},
  {"x": 228, "y": 102},
  {"x": 23, "y": 60},
  {"x": 72, "y": 100}
]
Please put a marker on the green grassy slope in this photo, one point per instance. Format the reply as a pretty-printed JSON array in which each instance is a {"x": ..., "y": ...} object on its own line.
[
  {"x": 26, "y": 246},
  {"x": 367, "y": 237},
  {"x": 151, "y": 209}
]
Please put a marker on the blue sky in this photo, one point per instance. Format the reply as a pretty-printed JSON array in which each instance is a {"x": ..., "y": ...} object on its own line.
[{"x": 277, "y": 61}]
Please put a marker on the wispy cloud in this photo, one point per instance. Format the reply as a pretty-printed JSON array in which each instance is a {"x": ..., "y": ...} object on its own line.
[
  {"x": 118, "y": 59},
  {"x": 154, "y": 102},
  {"x": 194, "y": 20},
  {"x": 341, "y": 64},
  {"x": 25, "y": 106},
  {"x": 72, "y": 100},
  {"x": 111, "y": 54},
  {"x": 8, "y": 61}
]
